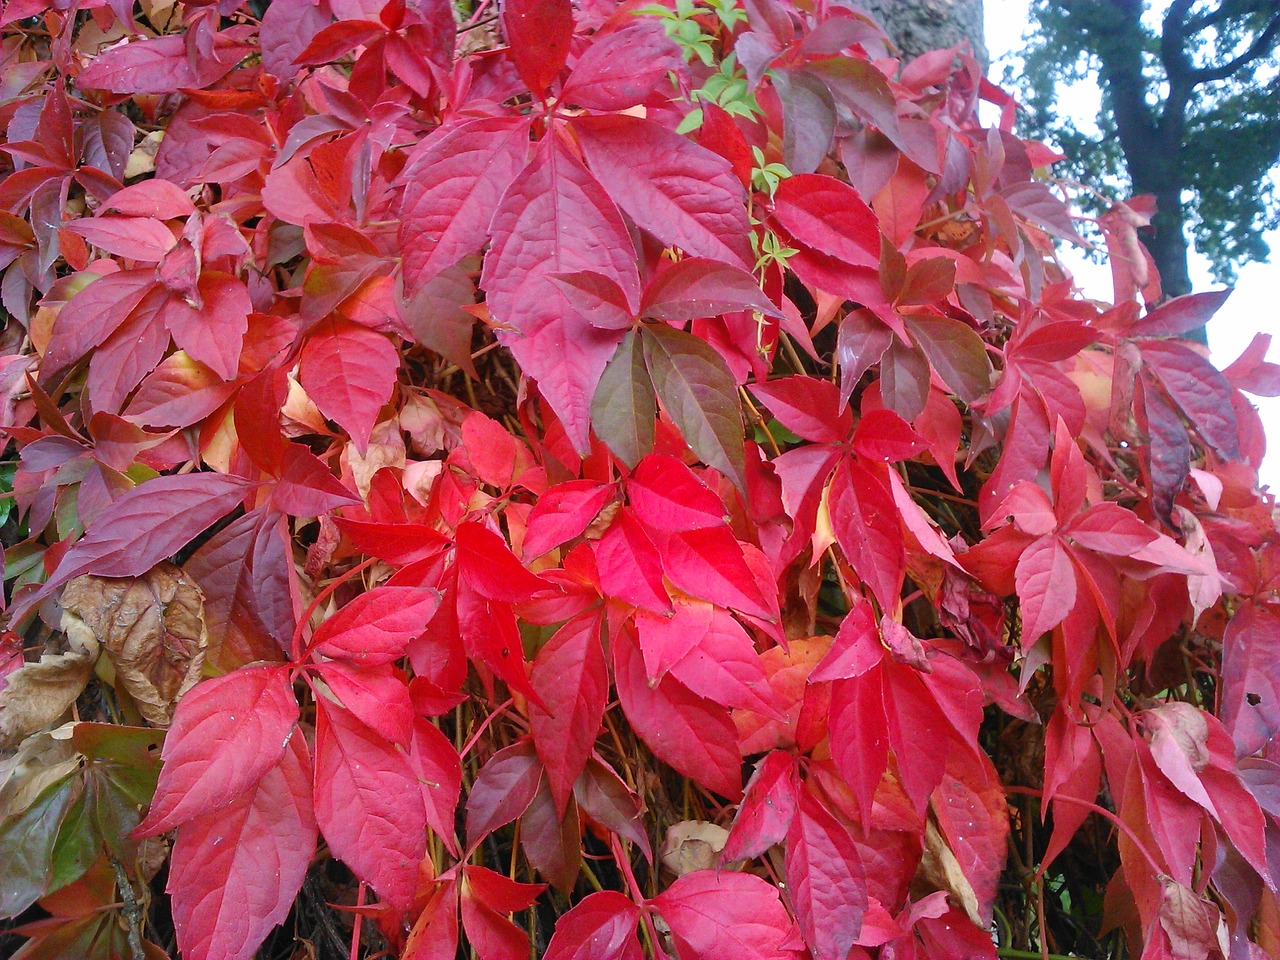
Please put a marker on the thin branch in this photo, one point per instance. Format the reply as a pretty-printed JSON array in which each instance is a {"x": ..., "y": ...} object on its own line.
[{"x": 1259, "y": 48}]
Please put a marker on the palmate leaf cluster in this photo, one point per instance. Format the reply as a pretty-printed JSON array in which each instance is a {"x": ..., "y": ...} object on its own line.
[{"x": 595, "y": 480}]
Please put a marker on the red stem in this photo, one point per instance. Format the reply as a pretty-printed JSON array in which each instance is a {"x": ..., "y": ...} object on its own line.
[{"x": 1100, "y": 811}]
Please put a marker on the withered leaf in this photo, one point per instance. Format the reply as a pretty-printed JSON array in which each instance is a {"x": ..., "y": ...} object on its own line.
[
  {"x": 40, "y": 692},
  {"x": 152, "y": 629}
]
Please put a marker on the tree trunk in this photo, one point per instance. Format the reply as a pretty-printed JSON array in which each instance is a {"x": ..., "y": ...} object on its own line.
[{"x": 917, "y": 26}]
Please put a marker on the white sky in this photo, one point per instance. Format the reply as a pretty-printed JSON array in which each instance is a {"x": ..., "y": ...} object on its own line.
[{"x": 1255, "y": 304}]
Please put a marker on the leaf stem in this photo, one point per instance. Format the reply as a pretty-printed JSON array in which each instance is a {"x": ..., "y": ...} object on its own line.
[{"x": 1100, "y": 811}]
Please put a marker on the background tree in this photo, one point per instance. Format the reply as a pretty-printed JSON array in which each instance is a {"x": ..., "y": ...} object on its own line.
[{"x": 1188, "y": 114}]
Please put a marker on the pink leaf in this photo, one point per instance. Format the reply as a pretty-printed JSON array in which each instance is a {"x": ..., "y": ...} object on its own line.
[
  {"x": 629, "y": 565},
  {"x": 825, "y": 878},
  {"x": 350, "y": 373},
  {"x": 161, "y": 64},
  {"x": 562, "y": 513},
  {"x": 453, "y": 182},
  {"x": 555, "y": 219},
  {"x": 696, "y": 287},
  {"x": 235, "y": 872},
  {"x": 227, "y": 733},
  {"x": 715, "y": 915},
  {"x": 368, "y": 804},
  {"x": 539, "y": 32},
  {"x": 377, "y": 625},
  {"x": 1046, "y": 585},
  {"x": 693, "y": 735},
  {"x": 601, "y": 927},
  {"x": 682, "y": 193},
  {"x": 1251, "y": 677},
  {"x": 767, "y": 807},
  {"x": 570, "y": 675}
]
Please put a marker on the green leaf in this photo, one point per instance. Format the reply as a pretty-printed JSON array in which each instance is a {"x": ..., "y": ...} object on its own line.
[
  {"x": 955, "y": 352},
  {"x": 697, "y": 390},
  {"x": 76, "y": 846},
  {"x": 624, "y": 409},
  {"x": 26, "y": 847}
]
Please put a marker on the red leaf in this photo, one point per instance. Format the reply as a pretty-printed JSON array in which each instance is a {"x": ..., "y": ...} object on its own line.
[
  {"x": 338, "y": 39},
  {"x": 767, "y": 807},
  {"x": 539, "y": 33},
  {"x": 724, "y": 667},
  {"x": 1200, "y": 391},
  {"x": 307, "y": 487},
  {"x": 211, "y": 331},
  {"x": 828, "y": 215},
  {"x": 502, "y": 790},
  {"x": 453, "y": 182},
  {"x": 1046, "y": 585},
  {"x": 377, "y": 625},
  {"x": 693, "y": 735},
  {"x": 682, "y": 193},
  {"x": 562, "y": 513},
  {"x": 1251, "y": 677},
  {"x": 488, "y": 566},
  {"x": 859, "y": 734},
  {"x": 376, "y": 695},
  {"x": 670, "y": 497},
  {"x": 368, "y": 804},
  {"x": 1110, "y": 528},
  {"x": 486, "y": 898},
  {"x": 868, "y": 528},
  {"x": 162, "y": 64},
  {"x": 825, "y": 878},
  {"x": 350, "y": 373},
  {"x": 148, "y": 524},
  {"x": 629, "y": 565},
  {"x": 489, "y": 632},
  {"x": 716, "y": 915},
  {"x": 227, "y": 733},
  {"x": 1181, "y": 315},
  {"x": 883, "y": 435},
  {"x": 570, "y": 675},
  {"x": 133, "y": 238},
  {"x": 710, "y": 564},
  {"x": 601, "y": 927},
  {"x": 696, "y": 287},
  {"x": 555, "y": 219},
  {"x": 234, "y": 872},
  {"x": 666, "y": 638},
  {"x": 438, "y": 769},
  {"x": 621, "y": 69},
  {"x": 810, "y": 408}
]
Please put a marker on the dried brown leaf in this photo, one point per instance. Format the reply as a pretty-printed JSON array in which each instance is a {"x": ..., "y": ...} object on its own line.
[
  {"x": 152, "y": 629},
  {"x": 40, "y": 692},
  {"x": 692, "y": 845}
]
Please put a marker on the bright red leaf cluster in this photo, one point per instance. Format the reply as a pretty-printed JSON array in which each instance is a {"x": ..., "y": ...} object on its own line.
[{"x": 584, "y": 419}]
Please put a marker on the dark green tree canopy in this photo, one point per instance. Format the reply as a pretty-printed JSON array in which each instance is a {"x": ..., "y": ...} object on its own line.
[{"x": 1190, "y": 112}]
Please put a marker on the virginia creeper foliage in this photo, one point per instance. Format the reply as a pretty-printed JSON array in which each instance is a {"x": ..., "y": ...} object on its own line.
[{"x": 604, "y": 481}]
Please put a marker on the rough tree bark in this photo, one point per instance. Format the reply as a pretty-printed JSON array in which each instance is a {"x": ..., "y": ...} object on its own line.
[{"x": 920, "y": 25}]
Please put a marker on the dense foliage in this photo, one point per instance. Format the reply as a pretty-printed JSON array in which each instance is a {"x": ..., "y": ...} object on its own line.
[{"x": 626, "y": 481}]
